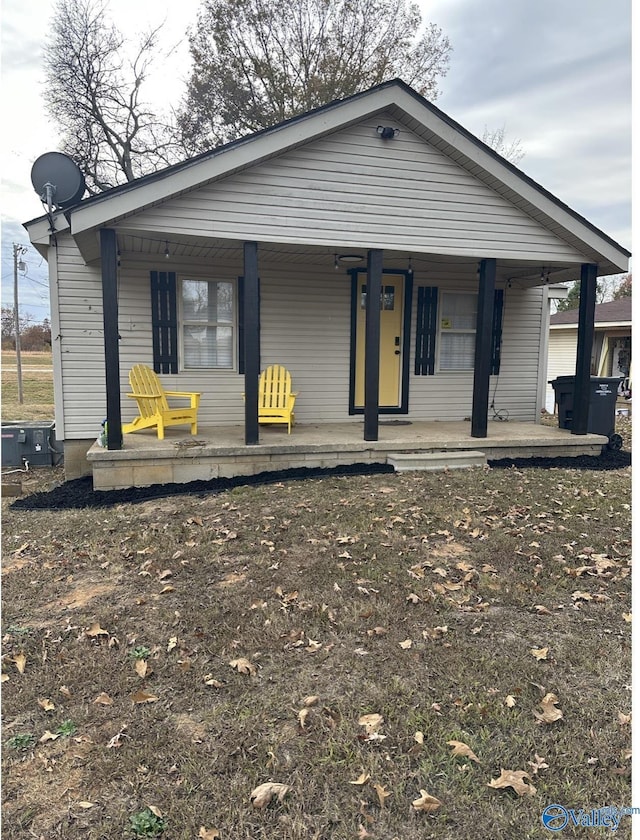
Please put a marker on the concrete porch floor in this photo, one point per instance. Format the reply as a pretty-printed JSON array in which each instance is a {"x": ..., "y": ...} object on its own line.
[{"x": 220, "y": 451}]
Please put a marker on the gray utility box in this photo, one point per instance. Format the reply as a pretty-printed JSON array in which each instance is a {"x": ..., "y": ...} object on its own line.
[{"x": 31, "y": 441}]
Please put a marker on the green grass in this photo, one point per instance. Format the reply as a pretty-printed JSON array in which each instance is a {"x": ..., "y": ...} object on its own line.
[{"x": 313, "y": 590}]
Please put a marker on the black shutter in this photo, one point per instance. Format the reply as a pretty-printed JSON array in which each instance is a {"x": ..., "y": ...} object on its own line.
[
  {"x": 164, "y": 321},
  {"x": 496, "y": 331},
  {"x": 241, "y": 323},
  {"x": 426, "y": 330}
]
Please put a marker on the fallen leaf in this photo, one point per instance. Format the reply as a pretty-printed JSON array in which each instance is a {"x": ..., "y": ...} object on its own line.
[
  {"x": 4, "y": 677},
  {"x": 143, "y": 697},
  {"x": 460, "y": 748},
  {"x": 510, "y": 701},
  {"x": 49, "y": 736},
  {"x": 83, "y": 804},
  {"x": 243, "y": 666},
  {"x": 581, "y": 596},
  {"x": 623, "y": 719},
  {"x": 514, "y": 779},
  {"x": 167, "y": 588},
  {"x": 419, "y": 737},
  {"x": 167, "y": 573},
  {"x": 95, "y": 630},
  {"x": 363, "y": 834},
  {"x": 383, "y": 794},
  {"x": 103, "y": 699},
  {"x": 406, "y": 644},
  {"x": 263, "y": 794},
  {"x": 371, "y": 722},
  {"x": 141, "y": 667},
  {"x": 64, "y": 690},
  {"x": 627, "y": 616},
  {"x": 311, "y": 700},
  {"x": 542, "y": 610},
  {"x": 426, "y": 802},
  {"x": 303, "y": 714},
  {"x": 540, "y": 653},
  {"x": 116, "y": 740},
  {"x": 46, "y": 704},
  {"x": 538, "y": 764},
  {"x": 209, "y": 680},
  {"x": 550, "y": 713},
  {"x": 362, "y": 779},
  {"x": 20, "y": 661},
  {"x": 173, "y": 641},
  {"x": 208, "y": 833}
]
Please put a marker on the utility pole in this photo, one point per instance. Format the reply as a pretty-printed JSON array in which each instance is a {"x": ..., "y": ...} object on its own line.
[{"x": 18, "y": 250}]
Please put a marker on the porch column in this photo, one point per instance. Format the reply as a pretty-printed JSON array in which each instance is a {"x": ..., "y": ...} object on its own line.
[
  {"x": 372, "y": 345},
  {"x": 109, "y": 260},
  {"x": 482, "y": 364},
  {"x": 251, "y": 344},
  {"x": 586, "y": 318}
]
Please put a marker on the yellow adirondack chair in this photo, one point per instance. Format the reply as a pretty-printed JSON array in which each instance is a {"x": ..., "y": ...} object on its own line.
[
  {"x": 153, "y": 407},
  {"x": 275, "y": 397}
]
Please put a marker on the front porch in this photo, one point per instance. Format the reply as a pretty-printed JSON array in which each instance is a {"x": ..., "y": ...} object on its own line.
[{"x": 220, "y": 451}]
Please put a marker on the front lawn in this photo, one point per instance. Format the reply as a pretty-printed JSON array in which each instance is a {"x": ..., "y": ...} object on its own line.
[{"x": 380, "y": 648}]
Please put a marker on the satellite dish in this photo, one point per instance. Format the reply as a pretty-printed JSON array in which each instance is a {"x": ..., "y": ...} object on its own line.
[{"x": 57, "y": 180}]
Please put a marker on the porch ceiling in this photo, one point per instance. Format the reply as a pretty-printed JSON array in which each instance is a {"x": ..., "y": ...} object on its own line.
[{"x": 520, "y": 273}]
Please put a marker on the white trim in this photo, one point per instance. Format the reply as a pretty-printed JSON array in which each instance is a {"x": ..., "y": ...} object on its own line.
[
  {"x": 180, "y": 278},
  {"x": 543, "y": 353},
  {"x": 56, "y": 347},
  {"x": 599, "y": 325}
]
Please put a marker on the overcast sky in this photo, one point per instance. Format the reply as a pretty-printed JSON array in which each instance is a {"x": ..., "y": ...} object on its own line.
[{"x": 555, "y": 73}]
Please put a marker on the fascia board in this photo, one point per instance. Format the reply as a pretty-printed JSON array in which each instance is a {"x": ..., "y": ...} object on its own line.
[
  {"x": 599, "y": 325},
  {"x": 39, "y": 230}
]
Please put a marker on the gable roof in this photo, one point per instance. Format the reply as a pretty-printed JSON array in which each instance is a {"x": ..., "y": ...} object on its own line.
[
  {"x": 615, "y": 311},
  {"x": 411, "y": 109}
]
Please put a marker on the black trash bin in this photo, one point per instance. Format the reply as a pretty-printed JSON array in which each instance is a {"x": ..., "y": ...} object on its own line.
[{"x": 603, "y": 394}]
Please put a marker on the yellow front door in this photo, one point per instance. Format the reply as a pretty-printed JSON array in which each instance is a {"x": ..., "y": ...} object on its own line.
[{"x": 391, "y": 318}]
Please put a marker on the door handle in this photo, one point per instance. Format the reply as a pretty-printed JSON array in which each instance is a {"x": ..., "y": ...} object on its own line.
[{"x": 397, "y": 352}]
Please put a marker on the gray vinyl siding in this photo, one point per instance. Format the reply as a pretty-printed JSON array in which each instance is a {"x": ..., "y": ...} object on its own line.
[
  {"x": 305, "y": 325},
  {"x": 80, "y": 390},
  {"x": 351, "y": 189}
]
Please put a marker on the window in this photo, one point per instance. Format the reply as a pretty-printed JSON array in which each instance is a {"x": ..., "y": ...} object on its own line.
[
  {"x": 457, "y": 330},
  {"x": 207, "y": 325},
  {"x": 387, "y": 297}
]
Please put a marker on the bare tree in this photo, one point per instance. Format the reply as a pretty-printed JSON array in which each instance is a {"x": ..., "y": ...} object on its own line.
[
  {"x": 624, "y": 288},
  {"x": 94, "y": 94},
  {"x": 496, "y": 138},
  {"x": 258, "y": 62}
]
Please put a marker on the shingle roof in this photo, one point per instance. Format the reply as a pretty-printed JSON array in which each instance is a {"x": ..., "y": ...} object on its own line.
[{"x": 614, "y": 310}]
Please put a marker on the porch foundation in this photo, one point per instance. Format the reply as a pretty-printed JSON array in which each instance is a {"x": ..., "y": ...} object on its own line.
[{"x": 219, "y": 452}]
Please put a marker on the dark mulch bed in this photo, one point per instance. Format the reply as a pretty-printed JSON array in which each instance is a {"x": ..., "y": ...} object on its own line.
[{"x": 80, "y": 494}]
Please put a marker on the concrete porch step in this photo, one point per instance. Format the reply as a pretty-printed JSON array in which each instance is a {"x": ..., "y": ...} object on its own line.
[{"x": 406, "y": 461}]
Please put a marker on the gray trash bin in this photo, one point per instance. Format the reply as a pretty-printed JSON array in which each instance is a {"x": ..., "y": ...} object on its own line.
[{"x": 603, "y": 394}]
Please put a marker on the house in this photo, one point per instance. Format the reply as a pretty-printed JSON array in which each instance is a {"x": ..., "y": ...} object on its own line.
[
  {"x": 611, "y": 349},
  {"x": 396, "y": 265}
]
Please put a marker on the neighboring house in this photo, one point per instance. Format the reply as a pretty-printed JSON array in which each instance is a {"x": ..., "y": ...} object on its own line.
[
  {"x": 611, "y": 348},
  {"x": 258, "y": 252}
]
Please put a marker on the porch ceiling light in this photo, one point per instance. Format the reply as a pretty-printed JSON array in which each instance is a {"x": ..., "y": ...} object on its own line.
[{"x": 350, "y": 258}]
